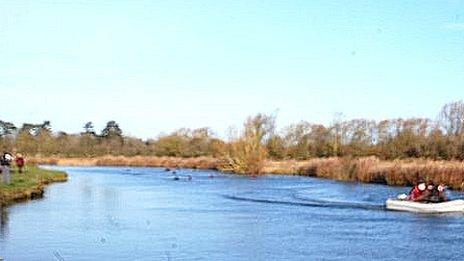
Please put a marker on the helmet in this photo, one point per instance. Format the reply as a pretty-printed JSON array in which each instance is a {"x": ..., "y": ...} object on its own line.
[{"x": 441, "y": 188}]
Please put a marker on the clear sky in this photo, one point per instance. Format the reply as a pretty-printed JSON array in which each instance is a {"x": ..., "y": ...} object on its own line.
[{"x": 155, "y": 66}]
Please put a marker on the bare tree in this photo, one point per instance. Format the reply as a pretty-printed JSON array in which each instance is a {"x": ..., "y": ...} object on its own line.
[{"x": 452, "y": 118}]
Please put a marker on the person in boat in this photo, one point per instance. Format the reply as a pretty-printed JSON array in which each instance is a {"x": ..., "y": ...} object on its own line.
[
  {"x": 442, "y": 193},
  {"x": 419, "y": 193},
  {"x": 433, "y": 193},
  {"x": 436, "y": 194}
]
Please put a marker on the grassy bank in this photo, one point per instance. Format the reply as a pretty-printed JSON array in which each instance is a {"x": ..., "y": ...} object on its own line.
[
  {"x": 365, "y": 169},
  {"x": 28, "y": 185}
]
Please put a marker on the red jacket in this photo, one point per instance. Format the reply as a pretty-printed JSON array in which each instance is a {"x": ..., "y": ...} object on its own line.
[
  {"x": 19, "y": 162},
  {"x": 415, "y": 193}
]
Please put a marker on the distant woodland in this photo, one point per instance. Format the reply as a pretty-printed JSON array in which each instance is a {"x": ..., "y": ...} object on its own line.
[{"x": 440, "y": 139}]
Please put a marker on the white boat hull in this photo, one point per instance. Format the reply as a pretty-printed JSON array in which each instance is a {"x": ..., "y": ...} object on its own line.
[{"x": 411, "y": 206}]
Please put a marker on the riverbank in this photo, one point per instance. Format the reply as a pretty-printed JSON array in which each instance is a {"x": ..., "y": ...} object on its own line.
[
  {"x": 403, "y": 172},
  {"x": 28, "y": 185}
]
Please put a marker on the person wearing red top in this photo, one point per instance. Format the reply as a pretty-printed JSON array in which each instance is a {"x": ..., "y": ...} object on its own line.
[
  {"x": 419, "y": 192},
  {"x": 19, "y": 160}
]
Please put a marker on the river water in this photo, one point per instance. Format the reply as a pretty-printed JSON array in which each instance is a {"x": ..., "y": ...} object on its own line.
[{"x": 144, "y": 214}]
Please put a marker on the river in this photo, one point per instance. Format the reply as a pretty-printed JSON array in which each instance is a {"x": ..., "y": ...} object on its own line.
[{"x": 108, "y": 213}]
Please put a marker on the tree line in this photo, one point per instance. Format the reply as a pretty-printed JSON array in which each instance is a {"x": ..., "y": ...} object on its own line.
[
  {"x": 441, "y": 138},
  {"x": 38, "y": 139}
]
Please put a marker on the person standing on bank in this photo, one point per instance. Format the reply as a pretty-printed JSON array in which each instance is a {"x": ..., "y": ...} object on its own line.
[
  {"x": 5, "y": 162},
  {"x": 20, "y": 162}
]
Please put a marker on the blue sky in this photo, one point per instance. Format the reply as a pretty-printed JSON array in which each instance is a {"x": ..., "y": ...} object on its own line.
[{"x": 155, "y": 66}]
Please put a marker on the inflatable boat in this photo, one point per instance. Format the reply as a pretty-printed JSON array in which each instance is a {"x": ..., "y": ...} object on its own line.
[{"x": 411, "y": 206}]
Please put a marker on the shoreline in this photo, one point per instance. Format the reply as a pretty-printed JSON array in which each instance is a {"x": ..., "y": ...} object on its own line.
[
  {"x": 29, "y": 185},
  {"x": 401, "y": 172}
]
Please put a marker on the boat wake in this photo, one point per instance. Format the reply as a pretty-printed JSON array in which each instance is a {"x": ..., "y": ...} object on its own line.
[
  {"x": 296, "y": 201},
  {"x": 341, "y": 203}
]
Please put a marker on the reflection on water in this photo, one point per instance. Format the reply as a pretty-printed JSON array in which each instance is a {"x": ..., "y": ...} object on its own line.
[
  {"x": 3, "y": 221},
  {"x": 143, "y": 214}
]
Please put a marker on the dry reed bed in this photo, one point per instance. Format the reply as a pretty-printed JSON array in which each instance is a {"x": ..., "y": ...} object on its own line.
[
  {"x": 366, "y": 169},
  {"x": 136, "y": 161},
  {"x": 373, "y": 170}
]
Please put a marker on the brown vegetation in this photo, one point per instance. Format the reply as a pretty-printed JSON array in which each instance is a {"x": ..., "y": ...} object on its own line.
[
  {"x": 373, "y": 170},
  {"x": 136, "y": 161},
  {"x": 246, "y": 154}
]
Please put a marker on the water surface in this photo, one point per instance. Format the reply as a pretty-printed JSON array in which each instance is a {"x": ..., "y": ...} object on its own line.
[{"x": 144, "y": 214}]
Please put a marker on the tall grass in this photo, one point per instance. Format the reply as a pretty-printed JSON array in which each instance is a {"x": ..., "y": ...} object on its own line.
[
  {"x": 136, "y": 161},
  {"x": 373, "y": 170}
]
